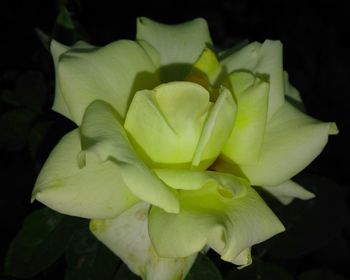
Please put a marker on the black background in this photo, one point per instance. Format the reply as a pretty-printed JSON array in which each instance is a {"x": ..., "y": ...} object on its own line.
[{"x": 316, "y": 55}]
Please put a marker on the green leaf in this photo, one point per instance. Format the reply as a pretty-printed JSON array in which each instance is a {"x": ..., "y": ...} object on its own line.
[
  {"x": 203, "y": 269},
  {"x": 41, "y": 241},
  {"x": 89, "y": 259}
]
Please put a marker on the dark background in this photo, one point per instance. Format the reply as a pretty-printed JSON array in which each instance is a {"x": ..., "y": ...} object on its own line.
[{"x": 316, "y": 55}]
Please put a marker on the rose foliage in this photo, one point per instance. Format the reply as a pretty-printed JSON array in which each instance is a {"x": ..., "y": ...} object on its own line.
[{"x": 170, "y": 139}]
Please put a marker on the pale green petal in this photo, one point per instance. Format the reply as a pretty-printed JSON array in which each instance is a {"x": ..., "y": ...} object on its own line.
[
  {"x": 264, "y": 59},
  {"x": 59, "y": 104},
  {"x": 287, "y": 191},
  {"x": 229, "y": 216},
  {"x": 103, "y": 135},
  {"x": 57, "y": 49},
  {"x": 112, "y": 73},
  {"x": 179, "y": 45},
  {"x": 292, "y": 140},
  {"x": 95, "y": 191},
  {"x": 165, "y": 124},
  {"x": 244, "y": 143},
  {"x": 216, "y": 130},
  {"x": 127, "y": 236}
]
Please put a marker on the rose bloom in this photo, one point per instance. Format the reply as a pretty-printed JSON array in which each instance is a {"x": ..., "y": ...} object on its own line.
[{"x": 170, "y": 137}]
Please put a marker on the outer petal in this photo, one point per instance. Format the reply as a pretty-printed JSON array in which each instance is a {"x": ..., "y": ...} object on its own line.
[
  {"x": 103, "y": 135},
  {"x": 57, "y": 49},
  {"x": 244, "y": 143},
  {"x": 263, "y": 59},
  {"x": 95, "y": 191},
  {"x": 229, "y": 216},
  {"x": 287, "y": 191},
  {"x": 292, "y": 140},
  {"x": 178, "y": 45},
  {"x": 127, "y": 236},
  {"x": 165, "y": 124},
  {"x": 112, "y": 73}
]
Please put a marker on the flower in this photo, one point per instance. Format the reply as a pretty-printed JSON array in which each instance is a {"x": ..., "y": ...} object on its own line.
[{"x": 169, "y": 139}]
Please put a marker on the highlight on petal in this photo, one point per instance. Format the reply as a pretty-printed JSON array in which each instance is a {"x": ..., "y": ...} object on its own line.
[
  {"x": 179, "y": 45},
  {"x": 127, "y": 236},
  {"x": 245, "y": 141},
  {"x": 104, "y": 136},
  {"x": 228, "y": 215},
  {"x": 288, "y": 191},
  {"x": 95, "y": 191},
  {"x": 112, "y": 73},
  {"x": 292, "y": 140},
  {"x": 263, "y": 59},
  {"x": 165, "y": 124}
]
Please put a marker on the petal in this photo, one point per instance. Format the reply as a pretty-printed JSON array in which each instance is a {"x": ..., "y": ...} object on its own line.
[
  {"x": 57, "y": 49},
  {"x": 127, "y": 236},
  {"x": 205, "y": 70},
  {"x": 265, "y": 59},
  {"x": 287, "y": 191},
  {"x": 244, "y": 143},
  {"x": 95, "y": 191},
  {"x": 229, "y": 216},
  {"x": 165, "y": 124},
  {"x": 292, "y": 140},
  {"x": 184, "y": 179},
  {"x": 179, "y": 45},
  {"x": 103, "y": 135},
  {"x": 112, "y": 73},
  {"x": 216, "y": 130}
]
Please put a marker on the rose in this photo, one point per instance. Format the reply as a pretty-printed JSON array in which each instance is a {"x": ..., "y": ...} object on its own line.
[{"x": 169, "y": 140}]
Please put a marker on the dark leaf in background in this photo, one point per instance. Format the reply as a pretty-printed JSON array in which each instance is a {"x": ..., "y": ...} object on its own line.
[
  {"x": 14, "y": 128},
  {"x": 203, "y": 269},
  {"x": 30, "y": 91},
  {"x": 320, "y": 274},
  {"x": 89, "y": 259},
  {"x": 124, "y": 273},
  {"x": 41, "y": 241},
  {"x": 259, "y": 270},
  {"x": 37, "y": 136},
  {"x": 311, "y": 224}
]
